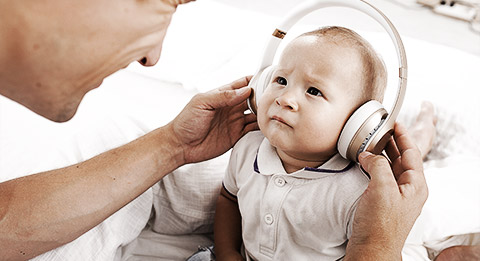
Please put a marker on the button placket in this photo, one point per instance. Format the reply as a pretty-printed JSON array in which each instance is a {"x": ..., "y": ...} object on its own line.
[{"x": 276, "y": 191}]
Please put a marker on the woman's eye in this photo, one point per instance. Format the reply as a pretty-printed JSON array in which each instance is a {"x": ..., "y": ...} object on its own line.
[
  {"x": 281, "y": 81},
  {"x": 314, "y": 91}
]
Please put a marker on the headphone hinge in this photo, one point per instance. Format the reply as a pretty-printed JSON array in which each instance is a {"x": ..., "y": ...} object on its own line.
[
  {"x": 279, "y": 33},
  {"x": 402, "y": 72}
]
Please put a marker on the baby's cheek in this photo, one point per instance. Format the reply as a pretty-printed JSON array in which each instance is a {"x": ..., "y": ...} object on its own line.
[
  {"x": 261, "y": 122},
  {"x": 320, "y": 135},
  {"x": 261, "y": 116}
]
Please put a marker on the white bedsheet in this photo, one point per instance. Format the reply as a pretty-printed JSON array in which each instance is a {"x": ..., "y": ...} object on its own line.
[{"x": 200, "y": 54}]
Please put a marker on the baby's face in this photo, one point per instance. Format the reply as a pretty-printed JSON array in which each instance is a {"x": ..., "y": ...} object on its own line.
[{"x": 309, "y": 98}]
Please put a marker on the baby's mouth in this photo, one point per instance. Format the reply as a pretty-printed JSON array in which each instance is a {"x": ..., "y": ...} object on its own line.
[{"x": 276, "y": 118}]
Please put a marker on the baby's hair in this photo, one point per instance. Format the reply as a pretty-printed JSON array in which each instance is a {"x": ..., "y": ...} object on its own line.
[{"x": 375, "y": 74}]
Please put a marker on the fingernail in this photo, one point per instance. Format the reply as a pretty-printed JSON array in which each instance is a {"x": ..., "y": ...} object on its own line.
[{"x": 363, "y": 155}]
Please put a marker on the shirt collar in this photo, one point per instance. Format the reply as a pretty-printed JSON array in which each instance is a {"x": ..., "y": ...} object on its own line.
[{"x": 267, "y": 162}]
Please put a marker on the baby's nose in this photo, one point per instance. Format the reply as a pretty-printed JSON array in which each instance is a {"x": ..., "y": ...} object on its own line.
[{"x": 287, "y": 100}]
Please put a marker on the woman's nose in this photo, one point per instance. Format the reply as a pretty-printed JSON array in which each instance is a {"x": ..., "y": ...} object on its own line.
[
  {"x": 288, "y": 99},
  {"x": 152, "y": 57}
]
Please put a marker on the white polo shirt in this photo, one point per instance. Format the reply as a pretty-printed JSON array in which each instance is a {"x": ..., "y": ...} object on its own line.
[{"x": 305, "y": 215}]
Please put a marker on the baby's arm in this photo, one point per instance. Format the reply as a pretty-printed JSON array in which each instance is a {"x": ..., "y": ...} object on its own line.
[{"x": 227, "y": 228}]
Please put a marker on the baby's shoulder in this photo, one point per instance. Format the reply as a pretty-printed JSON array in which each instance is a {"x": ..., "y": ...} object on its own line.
[
  {"x": 357, "y": 174},
  {"x": 355, "y": 181},
  {"x": 250, "y": 140},
  {"x": 247, "y": 147}
]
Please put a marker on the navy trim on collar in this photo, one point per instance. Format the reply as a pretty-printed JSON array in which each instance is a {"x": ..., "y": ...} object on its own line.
[{"x": 349, "y": 166}]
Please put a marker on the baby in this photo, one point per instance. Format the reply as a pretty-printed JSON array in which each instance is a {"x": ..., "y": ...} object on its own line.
[{"x": 287, "y": 193}]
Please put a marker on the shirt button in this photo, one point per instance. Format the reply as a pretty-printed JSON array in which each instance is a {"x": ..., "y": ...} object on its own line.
[
  {"x": 268, "y": 219},
  {"x": 280, "y": 182}
]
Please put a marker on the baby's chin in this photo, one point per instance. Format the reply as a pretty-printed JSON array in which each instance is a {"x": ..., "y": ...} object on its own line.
[{"x": 278, "y": 139}]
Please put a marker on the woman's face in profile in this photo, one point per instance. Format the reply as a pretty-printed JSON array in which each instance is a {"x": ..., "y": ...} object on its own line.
[{"x": 66, "y": 48}]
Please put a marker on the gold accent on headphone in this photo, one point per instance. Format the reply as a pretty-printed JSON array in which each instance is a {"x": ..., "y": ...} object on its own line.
[{"x": 279, "y": 33}]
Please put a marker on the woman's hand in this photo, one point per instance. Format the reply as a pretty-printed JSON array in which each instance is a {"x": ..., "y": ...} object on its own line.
[
  {"x": 392, "y": 202},
  {"x": 213, "y": 122}
]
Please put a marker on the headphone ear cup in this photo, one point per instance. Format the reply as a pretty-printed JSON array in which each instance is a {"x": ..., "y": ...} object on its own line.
[
  {"x": 259, "y": 83},
  {"x": 360, "y": 128}
]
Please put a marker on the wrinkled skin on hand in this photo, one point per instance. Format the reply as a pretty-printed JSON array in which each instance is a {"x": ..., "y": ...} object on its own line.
[
  {"x": 212, "y": 122},
  {"x": 392, "y": 202}
]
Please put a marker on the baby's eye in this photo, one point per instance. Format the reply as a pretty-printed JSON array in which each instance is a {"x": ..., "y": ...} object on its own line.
[
  {"x": 281, "y": 80},
  {"x": 314, "y": 91}
]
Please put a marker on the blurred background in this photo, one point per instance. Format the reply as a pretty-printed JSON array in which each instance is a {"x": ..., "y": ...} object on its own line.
[{"x": 448, "y": 22}]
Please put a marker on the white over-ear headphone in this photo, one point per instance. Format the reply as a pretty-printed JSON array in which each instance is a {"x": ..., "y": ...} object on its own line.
[{"x": 370, "y": 126}]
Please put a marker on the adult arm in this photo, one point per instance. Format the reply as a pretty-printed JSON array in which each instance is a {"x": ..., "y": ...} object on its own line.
[
  {"x": 392, "y": 202},
  {"x": 46, "y": 210},
  {"x": 227, "y": 228}
]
